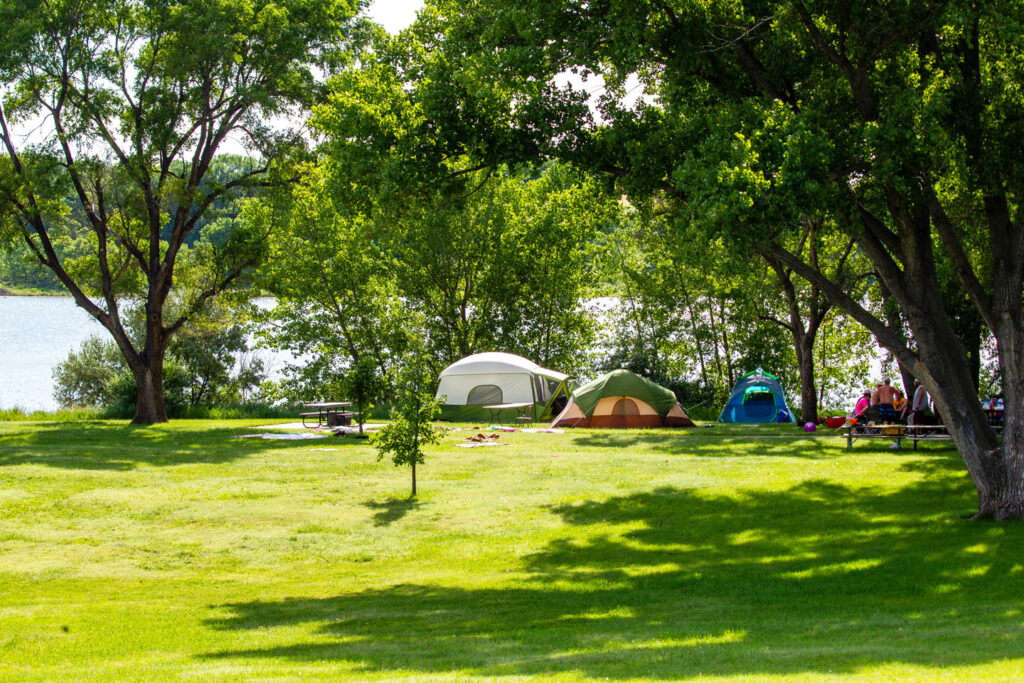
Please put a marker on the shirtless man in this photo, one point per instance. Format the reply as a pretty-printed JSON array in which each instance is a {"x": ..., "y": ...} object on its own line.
[{"x": 886, "y": 396}]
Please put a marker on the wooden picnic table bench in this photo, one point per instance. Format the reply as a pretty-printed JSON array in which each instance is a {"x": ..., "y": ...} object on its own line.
[
  {"x": 328, "y": 414},
  {"x": 896, "y": 433}
]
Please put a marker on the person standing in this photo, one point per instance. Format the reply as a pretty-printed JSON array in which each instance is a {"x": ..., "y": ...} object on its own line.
[
  {"x": 886, "y": 397},
  {"x": 919, "y": 404}
]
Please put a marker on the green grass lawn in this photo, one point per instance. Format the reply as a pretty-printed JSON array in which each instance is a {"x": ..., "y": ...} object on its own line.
[{"x": 178, "y": 552}]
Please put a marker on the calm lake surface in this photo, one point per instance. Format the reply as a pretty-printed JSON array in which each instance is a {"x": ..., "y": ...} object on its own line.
[{"x": 38, "y": 332}]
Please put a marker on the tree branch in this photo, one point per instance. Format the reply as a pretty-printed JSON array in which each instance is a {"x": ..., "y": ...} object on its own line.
[
  {"x": 961, "y": 263},
  {"x": 203, "y": 297},
  {"x": 885, "y": 335},
  {"x": 856, "y": 77}
]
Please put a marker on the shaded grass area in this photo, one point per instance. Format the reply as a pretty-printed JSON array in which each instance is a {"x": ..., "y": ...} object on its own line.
[{"x": 177, "y": 551}]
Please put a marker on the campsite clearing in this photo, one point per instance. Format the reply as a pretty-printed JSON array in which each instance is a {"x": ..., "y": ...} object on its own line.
[{"x": 176, "y": 551}]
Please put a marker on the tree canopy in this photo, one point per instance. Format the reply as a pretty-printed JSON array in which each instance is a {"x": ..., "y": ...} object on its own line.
[
  {"x": 898, "y": 122},
  {"x": 122, "y": 105}
]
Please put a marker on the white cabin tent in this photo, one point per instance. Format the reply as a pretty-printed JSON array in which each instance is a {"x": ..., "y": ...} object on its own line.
[{"x": 493, "y": 378}]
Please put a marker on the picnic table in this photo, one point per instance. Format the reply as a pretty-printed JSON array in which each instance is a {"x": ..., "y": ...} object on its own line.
[
  {"x": 523, "y": 411},
  {"x": 894, "y": 432},
  {"x": 328, "y": 414}
]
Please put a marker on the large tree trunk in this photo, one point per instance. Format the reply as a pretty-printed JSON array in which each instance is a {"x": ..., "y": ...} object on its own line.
[
  {"x": 1004, "y": 499},
  {"x": 940, "y": 363},
  {"x": 804, "y": 345},
  {"x": 149, "y": 395},
  {"x": 148, "y": 370},
  {"x": 804, "y": 335},
  {"x": 943, "y": 369}
]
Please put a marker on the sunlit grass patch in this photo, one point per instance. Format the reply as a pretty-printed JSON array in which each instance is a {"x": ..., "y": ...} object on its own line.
[{"x": 178, "y": 551}]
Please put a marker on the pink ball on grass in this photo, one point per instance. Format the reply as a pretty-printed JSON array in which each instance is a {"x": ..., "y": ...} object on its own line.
[{"x": 810, "y": 427}]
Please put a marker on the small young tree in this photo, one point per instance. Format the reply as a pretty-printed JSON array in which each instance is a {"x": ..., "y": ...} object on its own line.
[{"x": 413, "y": 413}]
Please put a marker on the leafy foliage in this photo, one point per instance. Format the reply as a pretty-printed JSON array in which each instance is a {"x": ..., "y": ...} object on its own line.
[
  {"x": 337, "y": 303},
  {"x": 363, "y": 385},
  {"x": 136, "y": 98},
  {"x": 207, "y": 365},
  {"x": 504, "y": 268},
  {"x": 897, "y": 122}
]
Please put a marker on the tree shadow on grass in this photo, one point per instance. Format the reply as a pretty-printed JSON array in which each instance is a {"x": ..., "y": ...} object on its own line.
[
  {"x": 391, "y": 510},
  {"x": 123, "y": 446},
  {"x": 725, "y": 445},
  {"x": 672, "y": 583}
]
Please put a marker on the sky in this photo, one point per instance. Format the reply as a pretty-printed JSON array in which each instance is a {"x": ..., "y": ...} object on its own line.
[{"x": 394, "y": 15}]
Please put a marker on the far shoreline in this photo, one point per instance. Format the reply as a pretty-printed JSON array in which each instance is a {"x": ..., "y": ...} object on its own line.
[{"x": 16, "y": 291}]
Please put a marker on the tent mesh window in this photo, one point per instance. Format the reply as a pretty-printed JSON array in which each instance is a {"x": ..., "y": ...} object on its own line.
[
  {"x": 484, "y": 394},
  {"x": 625, "y": 406},
  {"x": 759, "y": 394},
  {"x": 541, "y": 389}
]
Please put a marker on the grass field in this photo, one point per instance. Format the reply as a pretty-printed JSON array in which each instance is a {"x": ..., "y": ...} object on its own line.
[{"x": 177, "y": 552}]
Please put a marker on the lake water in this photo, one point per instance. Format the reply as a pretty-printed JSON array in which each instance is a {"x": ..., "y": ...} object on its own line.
[{"x": 38, "y": 332}]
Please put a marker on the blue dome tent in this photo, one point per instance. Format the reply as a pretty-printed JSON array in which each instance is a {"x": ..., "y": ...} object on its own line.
[{"x": 757, "y": 397}]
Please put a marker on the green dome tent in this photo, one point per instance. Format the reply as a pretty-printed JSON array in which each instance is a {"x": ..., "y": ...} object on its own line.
[{"x": 622, "y": 399}]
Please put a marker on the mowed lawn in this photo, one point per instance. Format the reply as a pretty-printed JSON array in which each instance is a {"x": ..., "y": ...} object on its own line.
[{"x": 178, "y": 552}]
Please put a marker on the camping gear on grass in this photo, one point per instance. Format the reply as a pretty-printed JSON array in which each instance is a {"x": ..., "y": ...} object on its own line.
[
  {"x": 489, "y": 379},
  {"x": 757, "y": 397},
  {"x": 621, "y": 399}
]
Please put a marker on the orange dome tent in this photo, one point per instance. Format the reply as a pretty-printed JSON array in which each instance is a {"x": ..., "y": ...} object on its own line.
[{"x": 621, "y": 399}]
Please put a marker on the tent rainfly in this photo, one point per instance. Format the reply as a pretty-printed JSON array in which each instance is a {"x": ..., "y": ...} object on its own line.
[
  {"x": 757, "y": 397},
  {"x": 496, "y": 378},
  {"x": 621, "y": 399}
]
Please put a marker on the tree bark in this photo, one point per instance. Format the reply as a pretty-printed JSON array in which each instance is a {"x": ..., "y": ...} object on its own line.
[
  {"x": 148, "y": 369},
  {"x": 696, "y": 339},
  {"x": 149, "y": 396},
  {"x": 1004, "y": 465},
  {"x": 940, "y": 363},
  {"x": 804, "y": 345},
  {"x": 804, "y": 334},
  {"x": 716, "y": 347}
]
